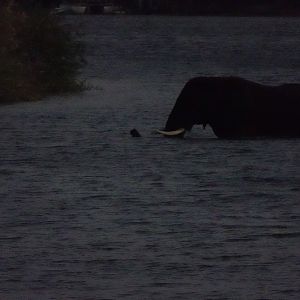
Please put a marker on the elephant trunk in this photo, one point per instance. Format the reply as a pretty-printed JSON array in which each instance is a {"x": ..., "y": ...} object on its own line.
[{"x": 180, "y": 118}]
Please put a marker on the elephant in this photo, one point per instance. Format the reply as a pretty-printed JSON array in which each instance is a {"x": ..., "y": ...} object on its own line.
[{"x": 236, "y": 108}]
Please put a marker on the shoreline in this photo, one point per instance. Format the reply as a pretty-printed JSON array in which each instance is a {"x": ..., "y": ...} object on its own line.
[{"x": 297, "y": 15}]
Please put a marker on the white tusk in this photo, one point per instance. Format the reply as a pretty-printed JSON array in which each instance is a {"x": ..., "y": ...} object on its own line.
[{"x": 179, "y": 131}]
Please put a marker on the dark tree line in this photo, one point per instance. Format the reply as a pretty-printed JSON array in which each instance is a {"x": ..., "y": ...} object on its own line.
[
  {"x": 212, "y": 7},
  {"x": 31, "y": 4},
  {"x": 190, "y": 7}
]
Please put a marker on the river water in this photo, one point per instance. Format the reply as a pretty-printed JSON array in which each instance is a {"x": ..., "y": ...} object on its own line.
[{"x": 87, "y": 212}]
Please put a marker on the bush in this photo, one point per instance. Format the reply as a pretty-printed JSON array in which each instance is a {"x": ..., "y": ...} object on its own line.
[{"x": 38, "y": 55}]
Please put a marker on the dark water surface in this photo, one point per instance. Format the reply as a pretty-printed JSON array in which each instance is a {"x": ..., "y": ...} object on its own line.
[{"x": 87, "y": 212}]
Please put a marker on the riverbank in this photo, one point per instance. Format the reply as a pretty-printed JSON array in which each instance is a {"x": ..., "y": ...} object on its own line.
[
  {"x": 38, "y": 56},
  {"x": 189, "y": 7}
]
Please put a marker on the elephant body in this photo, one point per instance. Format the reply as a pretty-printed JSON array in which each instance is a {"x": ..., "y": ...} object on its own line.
[{"x": 238, "y": 108}]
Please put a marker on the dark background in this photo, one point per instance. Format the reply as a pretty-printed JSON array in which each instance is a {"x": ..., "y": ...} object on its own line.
[{"x": 191, "y": 7}]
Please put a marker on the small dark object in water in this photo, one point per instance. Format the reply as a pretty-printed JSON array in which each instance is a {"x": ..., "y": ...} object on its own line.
[{"x": 135, "y": 133}]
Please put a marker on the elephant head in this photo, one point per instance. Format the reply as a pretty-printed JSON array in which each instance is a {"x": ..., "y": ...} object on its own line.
[{"x": 198, "y": 103}]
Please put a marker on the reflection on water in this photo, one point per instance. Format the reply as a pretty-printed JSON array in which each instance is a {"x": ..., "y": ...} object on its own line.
[{"x": 87, "y": 212}]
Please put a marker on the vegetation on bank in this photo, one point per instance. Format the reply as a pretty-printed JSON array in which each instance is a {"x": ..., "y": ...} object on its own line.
[
  {"x": 213, "y": 7},
  {"x": 38, "y": 55}
]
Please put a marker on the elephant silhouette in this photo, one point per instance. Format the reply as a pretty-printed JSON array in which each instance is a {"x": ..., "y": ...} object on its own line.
[{"x": 236, "y": 108}]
